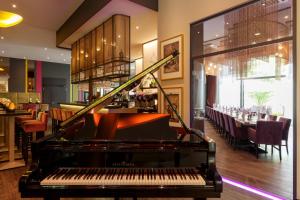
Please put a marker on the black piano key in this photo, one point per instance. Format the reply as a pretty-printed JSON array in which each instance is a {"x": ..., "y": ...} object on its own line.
[
  {"x": 53, "y": 173},
  {"x": 183, "y": 174}
]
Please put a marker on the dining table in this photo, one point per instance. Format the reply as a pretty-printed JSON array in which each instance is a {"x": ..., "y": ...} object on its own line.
[{"x": 7, "y": 123}]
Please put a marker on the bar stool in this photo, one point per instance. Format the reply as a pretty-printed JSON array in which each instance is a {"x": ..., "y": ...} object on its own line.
[{"x": 31, "y": 128}]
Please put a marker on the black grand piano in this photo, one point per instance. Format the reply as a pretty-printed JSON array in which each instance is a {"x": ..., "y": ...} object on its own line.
[{"x": 122, "y": 155}]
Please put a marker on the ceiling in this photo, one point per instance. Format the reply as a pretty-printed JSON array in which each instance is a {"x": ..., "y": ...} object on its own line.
[{"x": 35, "y": 37}]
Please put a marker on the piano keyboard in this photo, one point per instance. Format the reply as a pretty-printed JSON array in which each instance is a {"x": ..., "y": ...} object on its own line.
[{"x": 124, "y": 176}]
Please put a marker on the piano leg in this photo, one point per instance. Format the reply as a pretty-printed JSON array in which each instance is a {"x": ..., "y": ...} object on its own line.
[{"x": 199, "y": 198}]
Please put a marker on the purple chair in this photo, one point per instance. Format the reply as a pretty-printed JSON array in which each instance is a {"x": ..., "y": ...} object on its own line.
[
  {"x": 221, "y": 122},
  {"x": 285, "y": 131},
  {"x": 226, "y": 125},
  {"x": 237, "y": 134},
  {"x": 267, "y": 133}
]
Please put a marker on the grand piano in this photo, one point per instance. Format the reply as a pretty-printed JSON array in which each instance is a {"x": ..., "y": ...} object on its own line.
[{"x": 122, "y": 155}]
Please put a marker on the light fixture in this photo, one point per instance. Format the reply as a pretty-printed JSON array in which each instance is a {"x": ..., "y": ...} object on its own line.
[
  {"x": 98, "y": 49},
  {"x": 280, "y": 55},
  {"x": 280, "y": 47},
  {"x": 217, "y": 35},
  {"x": 257, "y": 34},
  {"x": 220, "y": 68},
  {"x": 2, "y": 37},
  {"x": 65, "y": 60},
  {"x": 45, "y": 48},
  {"x": 14, "y": 5},
  {"x": 251, "y": 189},
  {"x": 286, "y": 17},
  {"x": 1, "y": 69},
  {"x": 198, "y": 32},
  {"x": 227, "y": 23},
  {"x": 119, "y": 36},
  {"x": 48, "y": 58},
  {"x": 263, "y": 4},
  {"x": 208, "y": 68},
  {"x": 269, "y": 39},
  {"x": 215, "y": 66},
  {"x": 2, "y": 51},
  {"x": 24, "y": 57},
  {"x": 210, "y": 64},
  {"x": 254, "y": 42},
  {"x": 81, "y": 51},
  {"x": 8, "y": 19},
  {"x": 137, "y": 27},
  {"x": 62, "y": 54}
]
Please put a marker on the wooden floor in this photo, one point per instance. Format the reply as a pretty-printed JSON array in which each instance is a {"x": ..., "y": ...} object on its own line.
[{"x": 267, "y": 173}]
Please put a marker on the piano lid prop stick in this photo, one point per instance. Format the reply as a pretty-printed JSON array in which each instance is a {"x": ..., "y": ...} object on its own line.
[
  {"x": 186, "y": 129},
  {"x": 137, "y": 77}
]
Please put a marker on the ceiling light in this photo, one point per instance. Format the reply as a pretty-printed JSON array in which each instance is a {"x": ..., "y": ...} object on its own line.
[
  {"x": 280, "y": 47},
  {"x": 263, "y": 4},
  {"x": 215, "y": 66},
  {"x": 2, "y": 37},
  {"x": 254, "y": 42},
  {"x": 269, "y": 39},
  {"x": 2, "y": 51},
  {"x": 227, "y": 23},
  {"x": 210, "y": 64},
  {"x": 45, "y": 48},
  {"x": 98, "y": 49},
  {"x": 220, "y": 68},
  {"x": 24, "y": 57},
  {"x": 137, "y": 27},
  {"x": 198, "y": 32},
  {"x": 230, "y": 67},
  {"x": 208, "y": 68},
  {"x": 286, "y": 17},
  {"x": 81, "y": 51},
  {"x": 212, "y": 45},
  {"x": 8, "y": 19},
  {"x": 257, "y": 34},
  {"x": 62, "y": 54},
  {"x": 280, "y": 55},
  {"x": 48, "y": 58},
  {"x": 1, "y": 69},
  {"x": 217, "y": 35},
  {"x": 65, "y": 60},
  {"x": 276, "y": 54},
  {"x": 119, "y": 36},
  {"x": 14, "y": 5}
]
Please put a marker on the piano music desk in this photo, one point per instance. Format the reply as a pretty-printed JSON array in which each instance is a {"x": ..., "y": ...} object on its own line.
[{"x": 8, "y": 123}]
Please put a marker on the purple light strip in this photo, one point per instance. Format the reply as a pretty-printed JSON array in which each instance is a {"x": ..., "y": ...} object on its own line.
[{"x": 252, "y": 189}]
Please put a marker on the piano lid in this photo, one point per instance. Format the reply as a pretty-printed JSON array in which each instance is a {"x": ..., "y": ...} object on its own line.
[{"x": 131, "y": 82}]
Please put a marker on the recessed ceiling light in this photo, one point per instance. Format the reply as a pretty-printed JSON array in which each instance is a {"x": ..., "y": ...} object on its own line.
[
  {"x": 14, "y": 5},
  {"x": 119, "y": 36},
  {"x": 263, "y": 4},
  {"x": 257, "y": 34},
  {"x": 276, "y": 54},
  {"x": 215, "y": 66},
  {"x": 280, "y": 55},
  {"x": 137, "y": 27},
  {"x": 98, "y": 49},
  {"x": 81, "y": 51},
  {"x": 48, "y": 58},
  {"x": 269, "y": 39},
  {"x": 254, "y": 42},
  {"x": 198, "y": 32},
  {"x": 1, "y": 69},
  {"x": 208, "y": 68},
  {"x": 280, "y": 47},
  {"x": 2, "y": 37},
  {"x": 65, "y": 60},
  {"x": 286, "y": 17},
  {"x": 227, "y": 23},
  {"x": 2, "y": 51},
  {"x": 45, "y": 48},
  {"x": 24, "y": 57},
  {"x": 220, "y": 68},
  {"x": 210, "y": 64},
  {"x": 217, "y": 35}
]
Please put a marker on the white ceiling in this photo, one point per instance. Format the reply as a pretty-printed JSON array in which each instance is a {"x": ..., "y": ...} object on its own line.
[
  {"x": 35, "y": 37},
  {"x": 38, "y": 30}
]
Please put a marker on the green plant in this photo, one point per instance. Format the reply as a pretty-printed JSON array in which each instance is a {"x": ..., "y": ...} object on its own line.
[{"x": 261, "y": 97}]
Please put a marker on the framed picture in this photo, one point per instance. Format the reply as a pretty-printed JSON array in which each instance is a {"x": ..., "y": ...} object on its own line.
[
  {"x": 175, "y": 96},
  {"x": 174, "y": 69}
]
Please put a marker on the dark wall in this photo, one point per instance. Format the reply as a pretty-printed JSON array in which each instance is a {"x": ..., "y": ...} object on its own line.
[
  {"x": 57, "y": 71},
  {"x": 16, "y": 81}
]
